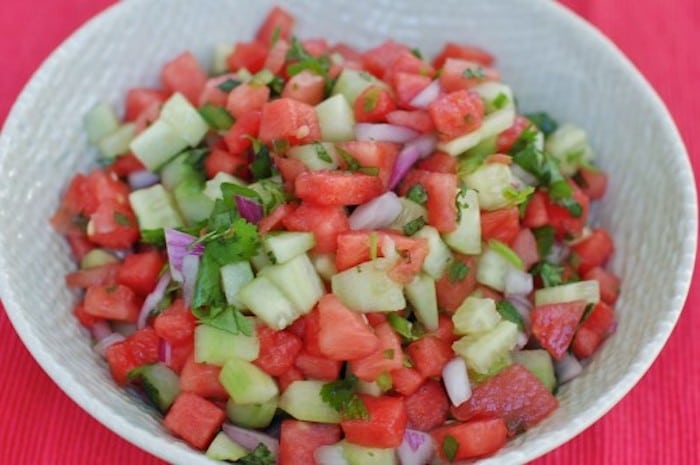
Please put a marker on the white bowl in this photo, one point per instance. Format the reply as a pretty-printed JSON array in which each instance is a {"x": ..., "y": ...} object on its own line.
[{"x": 555, "y": 62}]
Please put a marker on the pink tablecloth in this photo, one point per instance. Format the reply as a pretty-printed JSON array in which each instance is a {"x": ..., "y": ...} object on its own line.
[{"x": 658, "y": 423}]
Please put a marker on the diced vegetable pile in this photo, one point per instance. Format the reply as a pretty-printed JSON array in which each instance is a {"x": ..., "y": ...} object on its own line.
[{"x": 319, "y": 255}]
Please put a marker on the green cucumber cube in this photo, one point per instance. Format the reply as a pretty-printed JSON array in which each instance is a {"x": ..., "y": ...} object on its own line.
[
  {"x": 492, "y": 270},
  {"x": 336, "y": 118},
  {"x": 317, "y": 156},
  {"x": 220, "y": 59},
  {"x": 212, "y": 188},
  {"x": 569, "y": 145},
  {"x": 324, "y": 263},
  {"x": 422, "y": 295},
  {"x": 157, "y": 144},
  {"x": 233, "y": 277},
  {"x": 492, "y": 125},
  {"x": 540, "y": 364},
  {"x": 495, "y": 95},
  {"x": 160, "y": 384},
  {"x": 351, "y": 83},
  {"x": 252, "y": 415},
  {"x": 260, "y": 260},
  {"x": 439, "y": 255},
  {"x": 154, "y": 208},
  {"x": 246, "y": 383},
  {"x": 466, "y": 238},
  {"x": 486, "y": 350},
  {"x": 283, "y": 246},
  {"x": 97, "y": 257},
  {"x": 224, "y": 448},
  {"x": 194, "y": 205},
  {"x": 100, "y": 122},
  {"x": 117, "y": 142},
  {"x": 179, "y": 113},
  {"x": 178, "y": 170},
  {"x": 581, "y": 290},
  {"x": 360, "y": 455},
  {"x": 302, "y": 400},
  {"x": 268, "y": 303},
  {"x": 298, "y": 281},
  {"x": 475, "y": 315},
  {"x": 215, "y": 346},
  {"x": 367, "y": 287},
  {"x": 490, "y": 180},
  {"x": 410, "y": 211}
]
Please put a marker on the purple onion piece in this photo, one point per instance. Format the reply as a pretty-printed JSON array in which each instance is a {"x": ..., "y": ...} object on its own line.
[
  {"x": 567, "y": 368},
  {"x": 456, "y": 379},
  {"x": 142, "y": 179},
  {"x": 190, "y": 267},
  {"x": 152, "y": 300},
  {"x": 249, "y": 439},
  {"x": 518, "y": 282},
  {"x": 405, "y": 160},
  {"x": 427, "y": 96},
  {"x": 102, "y": 346},
  {"x": 384, "y": 132},
  {"x": 165, "y": 352},
  {"x": 249, "y": 209},
  {"x": 100, "y": 330},
  {"x": 178, "y": 244},
  {"x": 377, "y": 213},
  {"x": 416, "y": 448}
]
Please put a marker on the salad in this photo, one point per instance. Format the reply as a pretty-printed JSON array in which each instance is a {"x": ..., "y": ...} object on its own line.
[{"x": 321, "y": 255}]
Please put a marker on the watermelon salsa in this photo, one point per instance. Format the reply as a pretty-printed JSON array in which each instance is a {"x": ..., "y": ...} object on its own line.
[{"x": 314, "y": 254}]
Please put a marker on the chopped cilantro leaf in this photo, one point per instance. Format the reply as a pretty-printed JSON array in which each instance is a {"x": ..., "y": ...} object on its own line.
[
  {"x": 417, "y": 194},
  {"x": 216, "y": 117},
  {"x": 153, "y": 236},
  {"x": 369, "y": 170},
  {"x": 261, "y": 166},
  {"x": 303, "y": 60},
  {"x": 122, "y": 220},
  {"x": 517, "y": 197},
  {"x": 449, "y": 447},
  {"x": 228, "y": 85},
  {"x": 417, "y": 53},
  {"x": 549, "y": 273},
  {"x": 402, "y": 326},
  {"x": 384, "y": 381},
  {"x": 353, "y": 165},
  {"x": 543, "y": 121},
  {"x": 500, "y": 101},
  {"x": 389, "y": 353},
  {"x": 276, "y": 86},
  {"x": 371, "y": 99},
  {"x": 457, "y": 271},
  {"x": 275, "y": 36},
  {"x": 510, "y": 313},
  {"x": 342, "y": 397},
  {"x": 322, "y": 153},
  {"x": 413, "y": 226},
  {"x": 261, "y": 455},
  {"x": 474, "y": 73},
  {"x": 587, "y": 312},
  {"x": 544, "y": 236}
]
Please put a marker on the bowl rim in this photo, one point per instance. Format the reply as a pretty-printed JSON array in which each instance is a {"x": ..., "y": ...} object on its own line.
[{"x": 161, "y": 447}]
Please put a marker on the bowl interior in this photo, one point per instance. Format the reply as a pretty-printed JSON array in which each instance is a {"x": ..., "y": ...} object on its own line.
[{"x": 554, "y": 62}]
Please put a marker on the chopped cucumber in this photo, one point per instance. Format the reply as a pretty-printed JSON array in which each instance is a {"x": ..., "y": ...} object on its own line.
[
  {"x": 117, "y": 143},
  {"x": 224, "y": 448},
  {"x": 233, "y": 277},
  {"x": 179, "y": 114},
  {"x": 495, "y": 95},
  {"x": 410, "y": 211},
  {"x": 492, "y": 270},
  {"x": 215, "y": 346},
  {"x": 100, "y": 122},
  {"x": 371, "y": 388},
  {"x": 157, "y": 144},
  {"x": 569, "y": 145},
  {"x": 336, "y": 118},
  {"x": 212, "y": 188},
  {"x": 360, "y": 455},
  {"x": 367, "y": 287},
  {"x": 219, "y": 64},
  {"x": 490, "y": 181},
  {"x": 298, "y": 281},
  {"x": 154, "y": 208},
  {"x": 479, "y": 152},
  {"x": 160, "y": 384},
  {"x": 194, "y": 205},
  {"x": 351, "y": 83},
  {"x": 482, "y": 353},
  {"x": 466, "y": 238},
  {"x": 246, "y": 383},
  {"x": 178, "y": 170},
  {"x": 268, "y": 303},
  {"x": 493, "y": 124},
  {"x": 302, "y": 400},
  {"x": 422, "y": 295},
  {"x": 317, "y": 156},
  {"x": 283, "y": 246},
  {"x": 271, "y": 192},
  {"x": 324, "y": 263},
  {"x": 252, "y": 415},
  {"x": 439, "y": 255},
  {"x": 97, "y": 257},
  {"x": 539, "y": 363},
  {"x": 588, "y": 291},
  {"x": 475, "y": 315},
  {"x": 260, "y": 260},
  {"x": 330, "y": 455}
]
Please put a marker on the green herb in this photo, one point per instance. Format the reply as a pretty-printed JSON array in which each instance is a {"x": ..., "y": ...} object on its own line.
[
  {"x": 402, "y": 326},
  {"x": 371, "y": 99},
  {"x": 216, "y": 117},
  {"x": 474, "y": 73},
  {"x": 500, "y": 101},
  {"x": 544, "y": 236},
  {"x": 506, "y": 252},
  {"x": 389, "y": 354},
  {"x": 449, "y": 447},
  {"x": 407, "y": 362},
  {"x": 384, "y": 381},
  {"x": 543, "y": 121},
  {"x": 517, "y": 197},
  {"x": 472, "y": 162},
  {"x": 417, "y": 53},
  {"x": 525, "y": 139},
  {"x": 122, "y": 220},
  {"x": 369, "y": 170},
  {"x": 413, "y": 226},
  {"x": 195, "y": 159},
  {"x": 353, "y": 165},
  {"x": 549, "y": 273},
  {"x": 322, "y": 153},
  {"x": 261, "y": 455},
  {"x": 373, "y": 245},
  {"x": 271, "y": 193},
  {"x": 457, "y": 271},
  {"x": 587, "y": 312},
  {"x": 276, "y": 86},
  {"x": 229, "y": 84},
  {"x": 417, "y": 194},
  {"x": 261, "y": 166},
  {"x": 275, "y": 36},
  {"x": 341, "y": 396},
  {"x": 153, "y": 236},
  {"x": 303, "y": 60},
  {"x": 510, "y": 313}
]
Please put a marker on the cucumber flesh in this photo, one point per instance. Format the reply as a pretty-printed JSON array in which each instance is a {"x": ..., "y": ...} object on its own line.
[
  {"x": 160, "y": 384},
  {"x": 325, "y": 265},
  {"x": 569, "y": 145},
  {"x": 268, "y": 303},
  {"x": 488, "y": 349},
  {"x": 179, "y": 114},
  {"x": 220, "y": 59},
  {"x": 302, "y": 400},
  {"x": 176, "y": 171},
  {"x": 260, "y": 260},
  {"x": 492, "y": 124},
  {"x": 588, "y": 291},
  {"x": 252, "y": 415},
  {"x": 194, "y": 205},
  {"x": 360, "y": 455},
  {"x": 224, "y": 448},
  {"x": 439, "y": 255},
  {"x": 314, "y": 156},
  {"x": 422, "y": 295},
  {"x": 215, "y": 346},
  {"x": 100, "y": 122},
  {"x": 495, "y": 95},
  {"x": 298, "y": 281},
  {"x": 336, "y": 118},
  {"x": 351, "y": 83},
  {"x": 97, "y": 257},
  {"x": 246, "y": 383},
  {"x": 410, "y": 211},
  {"x": 492, "y": 270},
  {"x": 540, "y": 364},
  {"x": 466, "y": 238},
  {"x": 157, "y": 144},
  {"x": 117, "y": 143},
  {"x": 233, "y": 277},
  {"x": 490, "y": 180},
  {"x": 212, "y": 188},
  {"x": 475, "y": 315},
  {"x": 283, "y": 246},
  {"x": 368, "y": 288},
  {"x": 154, "y": 208}
]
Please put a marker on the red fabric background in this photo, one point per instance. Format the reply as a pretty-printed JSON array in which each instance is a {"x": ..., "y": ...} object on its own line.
[{"x": 658, "y": 423}]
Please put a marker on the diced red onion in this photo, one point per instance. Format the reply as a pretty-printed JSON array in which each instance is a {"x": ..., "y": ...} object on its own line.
[
  {"x": 249, "y": 439},
  {"x": 456, "y": 379},
  {"x": 141, "y": 179},
  {"x": 190, "y": 267},
  {"x": 567, "y": 368},
  {"x": 522, "y": 340},
  {"x": 416, "y": 448},
  {"x": 124, "y": 328},
  {"x": 425, "y": 144},
  {"x": 377, "y": 213},
  {"x": 152, "y": 300},
  {"x": 418, "y": 148},
  {"x": 102, "y": 346},
  {"x": 100, "y": 330},
  {"x": 613, "y": 328},
  {"x": 427, "y": 96},
  {"x": 518, "y": 282},
  {"x": 178, "y": 245},
  {"x": 165, "y": 352},
  {"x": 384, "y": 132},
  {"x": 249, "y": 209},
  {"x": 330, "y": 455},
  {"x": 558, "y": 253}
]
